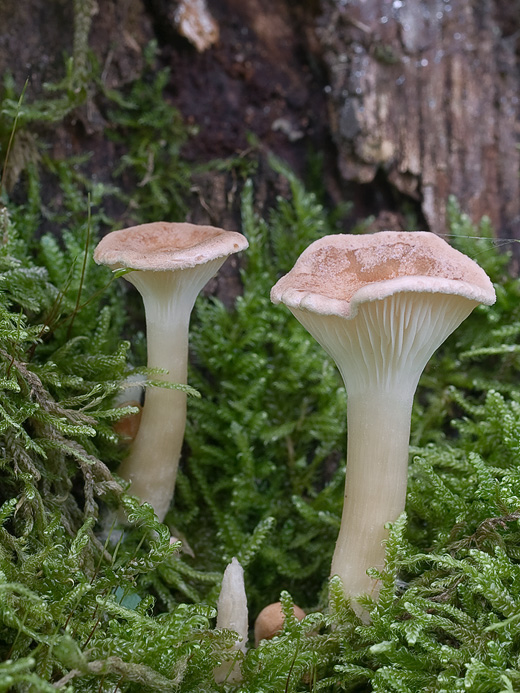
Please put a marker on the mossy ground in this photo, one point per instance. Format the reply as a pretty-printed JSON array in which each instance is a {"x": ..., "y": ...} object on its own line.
[{"x": 87, "y": 607}]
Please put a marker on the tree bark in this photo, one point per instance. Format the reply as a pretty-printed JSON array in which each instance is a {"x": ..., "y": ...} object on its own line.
[
  {"x": 426, "y": 92},
  {"x": 410, "y": 100}
]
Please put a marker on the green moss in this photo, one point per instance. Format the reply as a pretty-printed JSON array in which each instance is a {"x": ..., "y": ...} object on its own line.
[
  {"x": 94, "y": 609},
  {"x": 152, "y": 134}
]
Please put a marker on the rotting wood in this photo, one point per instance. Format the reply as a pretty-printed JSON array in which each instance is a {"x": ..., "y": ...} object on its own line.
[{"x": 426, "y": 91}]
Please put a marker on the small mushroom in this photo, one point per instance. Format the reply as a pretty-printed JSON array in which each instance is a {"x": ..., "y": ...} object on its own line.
[
  {"x": 379, "y": 305},
  {"x": 232, "y": 614},
  {"x": 270, "y": 620},
  {"x": 127, "y": 426},
  {"x": 131, "y": 395},
  {"x": 171, "y": 263}
]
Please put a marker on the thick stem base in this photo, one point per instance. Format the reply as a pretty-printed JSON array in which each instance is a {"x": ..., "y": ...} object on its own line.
[{"x": 376, "y": 478}]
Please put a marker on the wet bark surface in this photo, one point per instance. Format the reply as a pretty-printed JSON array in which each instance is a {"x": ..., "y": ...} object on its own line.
[
  {"x": 36, "y": 36},
  {"x": 408, "y": 101}
]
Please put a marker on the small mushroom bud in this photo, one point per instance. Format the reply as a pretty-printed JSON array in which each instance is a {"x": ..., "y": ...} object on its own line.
[
  {"x": 232, "y": 615},
  {"x": 270, "y": 620}
]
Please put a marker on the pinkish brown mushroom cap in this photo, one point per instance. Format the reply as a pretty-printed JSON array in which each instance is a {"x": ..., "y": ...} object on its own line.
[
  {"x": 162, "y": 246},
  {"x": 335, "y": 274}
]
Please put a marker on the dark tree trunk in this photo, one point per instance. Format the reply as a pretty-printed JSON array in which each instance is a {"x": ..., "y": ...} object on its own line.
[{"x": 410, "y": 100}]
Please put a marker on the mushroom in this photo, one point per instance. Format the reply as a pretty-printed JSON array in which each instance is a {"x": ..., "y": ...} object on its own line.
[
  {"x": 131, "y": 395},
  {"x": 127, "y": 426},
  {"x": 271, "y": 619},
  {"x": 379, "y": 305},
  {"x": 171, "y": 263},
  {"x": 232, "y": 614}
]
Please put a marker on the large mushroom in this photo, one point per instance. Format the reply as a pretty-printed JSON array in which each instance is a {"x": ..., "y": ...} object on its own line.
[
  {"x": 171, "y": 263},
  {"x": 379, "y": 305}
]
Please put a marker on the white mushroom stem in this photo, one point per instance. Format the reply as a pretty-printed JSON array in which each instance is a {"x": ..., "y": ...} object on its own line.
[
  {"x": 376, "y": 478},
  {"x": 381, "y": 352},
  {"x": 168, "y": 298}
]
